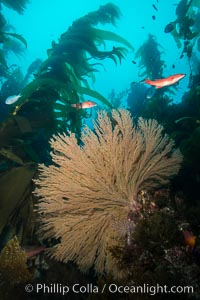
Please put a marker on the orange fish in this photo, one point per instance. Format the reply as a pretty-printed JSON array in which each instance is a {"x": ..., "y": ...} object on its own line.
[
  {"x": 190, "y": 239},
  {"x": 159, "y": 83},
  {"x": 83, "y": 105}
]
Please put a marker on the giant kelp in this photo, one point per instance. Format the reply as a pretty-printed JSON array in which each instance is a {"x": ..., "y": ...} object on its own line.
[
  {"x": 63, "y": 75},
  {"x": 151, "y": 64},
  {"x": 185, "y": 29},
  {"x": 17, "y": 5},
  {"x": 16, "y": 200},
  {"x": 71, "y": 62},
  {"x": 150, "y": 102},
  {"x": 9, "y": 41},
  {"x": 35, "y": 117},
  {"x": 186, "y": 129}
]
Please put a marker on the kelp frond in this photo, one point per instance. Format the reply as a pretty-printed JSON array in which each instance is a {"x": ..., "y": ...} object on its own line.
[
  {"x": 9, "y": 41},
  {"x": 16, "y": 36},
  {"x": 17, "y": 5},
  {"x": 111, "y": 36},
  {"x": 196, "y": 3},
  {"x": 42, "y": 85},
  {"x": 2, "y": 59}
]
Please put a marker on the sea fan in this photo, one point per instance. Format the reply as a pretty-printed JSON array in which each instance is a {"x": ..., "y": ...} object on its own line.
[{"x": 92, "y": 187}]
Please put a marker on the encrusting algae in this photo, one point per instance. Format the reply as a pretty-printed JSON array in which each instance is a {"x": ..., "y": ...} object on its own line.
[
  {"x": 91, "y": 187},
  {"x": 13, "y": 269}
]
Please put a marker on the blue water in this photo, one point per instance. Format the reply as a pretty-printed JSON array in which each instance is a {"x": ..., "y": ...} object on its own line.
[{"x": 44, "y": 21}]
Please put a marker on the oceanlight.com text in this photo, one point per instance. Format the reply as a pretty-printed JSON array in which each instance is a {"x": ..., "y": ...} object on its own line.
[{"x": 112, "y": 288}]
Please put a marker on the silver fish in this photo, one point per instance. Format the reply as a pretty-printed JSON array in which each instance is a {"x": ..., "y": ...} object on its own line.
[{"x": 12, "y": 99}]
